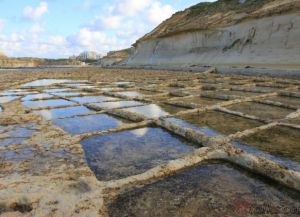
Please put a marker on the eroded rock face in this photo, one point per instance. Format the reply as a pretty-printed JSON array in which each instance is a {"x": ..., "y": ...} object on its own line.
[{"x": 251, "y": 33}]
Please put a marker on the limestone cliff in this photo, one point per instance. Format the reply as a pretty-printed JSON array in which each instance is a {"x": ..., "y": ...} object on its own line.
[
  {"x": 227, "y": 32},
  {"x": 115, "y": 57}
]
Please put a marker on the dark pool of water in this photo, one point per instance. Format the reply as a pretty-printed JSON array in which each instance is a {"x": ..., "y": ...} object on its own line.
[
  {"x": 207, "y": 131},
  {"x": 127, "y": 153},
  {"x": 221, "y": 122},
  {"x": 278, "y": 141},
  {"x": 261, "y": 110},
  {"x": 51, "y": 114},
  {"x": 47, "y": 103},
  {"x": 211, "y": 189},
  {"x": 88, "y": 124}
]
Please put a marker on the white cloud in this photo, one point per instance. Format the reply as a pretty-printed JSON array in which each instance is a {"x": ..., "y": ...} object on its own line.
[
  {"x": 106, "y": 22},
  {"x": 36, "y": 28},
  {"x": 158, "y": 12},
  {"x": 117, "y": 27},
  {"x": 57, "y": 40},
  {"x": 129, "y": 7},
  {"x": 31, "y": 13}
]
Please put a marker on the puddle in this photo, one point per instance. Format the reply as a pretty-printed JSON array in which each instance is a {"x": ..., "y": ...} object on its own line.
[
  {"x": 65, "y": 94},
  {"x": 158, "y": 98},
  {"x": 286, "y": 100},
  {"x": 44, "y": 82},
  {"x": 119, "y": 104},
  {"x": 37, "y": 96},
  {"x": 211, "y": 189},
  {"x": 148, "y": 92},
  {"x": 51, "y": 114},
  {"x": 47, "y": 103},
  {"x": 17, "y": 93},
  {"x": 129, "y": 93},
  {"x": 91, "y": 99},
  {"x": 118, "y": 155},
  {"x": 56, "y": 90},
  {"x": 149, "y": 111},
  {"x": 213, "y": 121},
  {"x": 278, "y": 141},
  {"x": 88, "y": 124},
  {"x": 261, "y": 110},
  {"x": 74, "y": 85},
  {"x": 207, "y": 131},
  {"x": 237, "y": 93},
  {"x": 121, "y": 82},
  {"x": 280, "y": 160},
  {"x": 20, "y": 132},
  {"x": 6, "y": 99},
  {"x": 11, "y": 141},
  {"x": 171, "y": 109},
  {"x": 108, "y": 89},
  {"x": 201, "y": 101}
]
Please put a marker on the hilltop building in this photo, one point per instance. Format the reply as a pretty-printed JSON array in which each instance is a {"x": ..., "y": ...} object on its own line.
[{"x": 86, "y": 55}]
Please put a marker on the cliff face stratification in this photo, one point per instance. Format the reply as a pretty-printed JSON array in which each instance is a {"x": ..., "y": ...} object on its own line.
[{"x": 226, "y": 32}]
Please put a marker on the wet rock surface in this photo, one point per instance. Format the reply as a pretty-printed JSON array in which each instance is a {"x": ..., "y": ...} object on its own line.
[
  {"x": 97, "y": 153},
  {"x": 212, "y": 189}
]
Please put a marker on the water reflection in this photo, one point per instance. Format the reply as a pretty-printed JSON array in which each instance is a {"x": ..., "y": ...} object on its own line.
[
  {"x": 119, "y": 104},
  {"x": 44, "y": 82},
  {"x": 129, "y": 93},
  {"x": 47, "y": 103},
  {"x": 6, "y": 99},
  {"x": 11, "y": 141},
  {"x": 51, "y": 114},
  {"x": 36, "y": 96},
  {"x": 88, "y": 124},
  {"x": 150, "y": 111},
  {"x": 126, "y": 153},
  {"x": 91, "y": 99}
]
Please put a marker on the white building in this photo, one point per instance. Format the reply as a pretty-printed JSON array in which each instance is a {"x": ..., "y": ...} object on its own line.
[{"x": 89, "y": 55}]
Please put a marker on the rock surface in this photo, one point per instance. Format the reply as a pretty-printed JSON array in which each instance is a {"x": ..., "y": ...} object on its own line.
[{"x": 227, "y": 32}]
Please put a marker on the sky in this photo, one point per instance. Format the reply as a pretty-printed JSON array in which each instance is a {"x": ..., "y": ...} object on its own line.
[{"x": 61, "y": 28}]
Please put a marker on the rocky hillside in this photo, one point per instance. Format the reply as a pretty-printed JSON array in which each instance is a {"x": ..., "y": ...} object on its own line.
[
  {"x": 35, "y": 62},
  {"x": 2, "y": 55},
  {"x": 116, "y": 57},
  {"x": 246, "y": 32}
]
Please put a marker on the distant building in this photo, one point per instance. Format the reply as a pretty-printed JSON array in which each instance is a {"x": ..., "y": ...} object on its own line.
[
  {"x": 89, "y": 55},
  {"x": 73, "y": 57},
  {"x": 2, "y": 55}
]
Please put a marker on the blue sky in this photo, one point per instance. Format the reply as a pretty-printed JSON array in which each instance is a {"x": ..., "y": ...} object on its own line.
[{"x": 60, "y": 28}]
